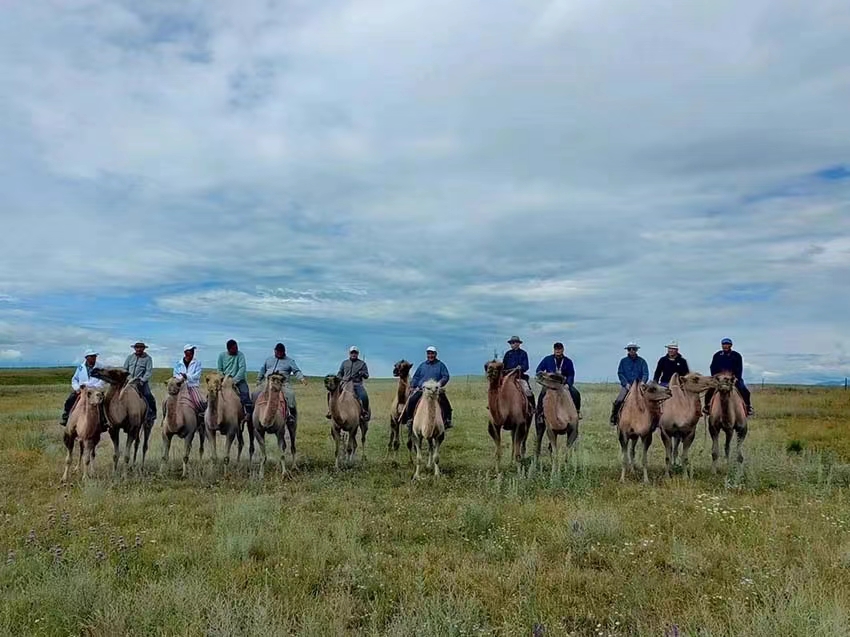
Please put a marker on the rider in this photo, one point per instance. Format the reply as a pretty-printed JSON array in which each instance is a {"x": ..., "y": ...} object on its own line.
[
  {"x": 728, "y": 360},
  {"x": 673, "y": 363},
  {"x": 517, "y": 357},
  {"x": 232, "y": 363},
  {"x": 632, "y": 367},
  {"x": 190, "y": 369},
  {"x": 431, "y": 369},
  {"x": 82, "y": 378},
  {"x": 353, "y": 369},
  {"x": 140, "y": 367},
  {"x": 282, "y": 364},
  {"x": 557, "y": 363}
]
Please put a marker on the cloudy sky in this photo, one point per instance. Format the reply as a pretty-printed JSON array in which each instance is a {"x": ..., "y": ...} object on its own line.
[{"x": 448, "y": 172}]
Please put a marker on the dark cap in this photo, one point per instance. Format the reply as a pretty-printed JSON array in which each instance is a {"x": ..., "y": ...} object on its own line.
[
  {"x": 558, "y": 345},
  {"x": 279, "y": 347}
]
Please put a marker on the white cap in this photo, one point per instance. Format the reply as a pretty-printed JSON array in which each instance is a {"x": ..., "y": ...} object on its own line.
[
  {"x": 353, "y": 348},
  {"x": 90, "y": 352},
  {"x": 632, "y": 344},
  {"x": 431, "y": 348},
  {"x": 673, "y": 344},
  {"x": 187, "y": 347}
]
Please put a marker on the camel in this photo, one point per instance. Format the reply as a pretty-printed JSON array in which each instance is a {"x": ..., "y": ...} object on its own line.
[
  {"x": 509, "y": 410},
  {"x": 83, "y": 425},
  {"x": 428, "y": 425},
  {"x": 560, "y": 417},
  {"x": 726, "y": 412},
  {"x": 180, "y": 419},
  {"x": 126, "y": 409},
  {"x": 345, "y": 416},
  {"x": 270, "y": 412},
  {"x": 639, "y": 417},
  {"x": 224, "y": 415},
  {"x": 679, "y": 420},
  {"x": 401, "y": 370}
]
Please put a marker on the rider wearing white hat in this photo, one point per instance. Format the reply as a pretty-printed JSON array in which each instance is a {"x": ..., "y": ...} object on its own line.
[
  {"x": 82, "y": 378},
  {"x": 672, "y": 363},
  {"x": 431, "y": 369},
  {"x": 355, "y": 370}
]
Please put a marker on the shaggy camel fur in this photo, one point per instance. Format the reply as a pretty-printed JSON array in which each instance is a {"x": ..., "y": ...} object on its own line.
[
  {"x": 726, "y": 412},
  {"x": 345, "y": 417},
  {"x": 428, "y": 425},
  {"x": 639, "y": 417},
  {"x": 401, "y": 370},
  {"x": 126, "y": 409},
  {"x": 509, "y": 410},
  {"x": 180, "y": 419},
  {"x": 225, "y": 415},
  {"x": 270, "y": 411},
  {"x": 560, "y": 417},
  {"x": 680, "y": 417},
  {"x": 83, "y": 424}
]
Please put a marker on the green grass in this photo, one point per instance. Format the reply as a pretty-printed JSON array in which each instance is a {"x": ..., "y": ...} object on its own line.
[{"x": 764, "y": 550}]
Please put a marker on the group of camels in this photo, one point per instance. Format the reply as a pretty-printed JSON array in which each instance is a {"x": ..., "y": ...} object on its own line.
[{"x": 674, "y": 411}]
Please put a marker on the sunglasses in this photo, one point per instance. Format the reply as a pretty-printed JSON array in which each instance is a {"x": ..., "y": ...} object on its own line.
[{"x": 631, "y": 349}]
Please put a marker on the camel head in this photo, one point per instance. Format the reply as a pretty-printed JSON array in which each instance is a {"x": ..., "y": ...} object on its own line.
[
  {"x": 111, "y": 375},
  {"x": 696, "y": 383},
  {"x": 93, "y": 397},
  {"x": 332, "y": 383},
  {"x": 402, "y": 369},
  {"x": 275, "y": 382},
  {"x": 214, "y": 382},
  {"x": 550, "y": 381},
  {"x": 174, "y": 384},
  {"x": 725, "y": 382},
  {"x": 654, "y": 392},
  {"x": 431, "y": 389},
  {"x": 493, "y": 369}
]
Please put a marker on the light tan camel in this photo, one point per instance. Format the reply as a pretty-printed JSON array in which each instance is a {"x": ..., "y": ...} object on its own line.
[
  {"x": 727, "y": 412},
  {"x": 224, "y": 415},
  {"x": 126, "y": 409},
  {"x": 401, "y": 370},
  {"x": 509, "y": 410},
  {"x": 345, "y": 416},
  {"x": 180, "y": 419},
  {"x": 560, "y": 417},
  {"x": 270, "y": 411},
  {"x": 83, "y": 425},
  {"x": 680, "y": 417},
  {"x": 639, "y": 417},
  {"x": 428, "y": 425}
]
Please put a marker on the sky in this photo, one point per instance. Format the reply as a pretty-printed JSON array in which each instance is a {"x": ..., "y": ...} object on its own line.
[{"x": 401, "y": 174}]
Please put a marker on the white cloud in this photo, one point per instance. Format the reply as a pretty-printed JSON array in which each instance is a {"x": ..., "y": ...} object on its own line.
[
  {"x": 9, "y": 355},
  {"x": 600, "y": 170}
]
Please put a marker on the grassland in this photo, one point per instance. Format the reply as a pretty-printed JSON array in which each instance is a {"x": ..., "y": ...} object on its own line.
[{"x": 764, "y": 550}]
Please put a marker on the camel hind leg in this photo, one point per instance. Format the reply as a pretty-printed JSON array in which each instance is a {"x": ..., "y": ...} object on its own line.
[
  {"x": 249, "y": 422},
  {"x": 260, "y": 435},
  {"x": 364, "y": 427},
  {"x": 281, "y": 445},
  {"x": 395, "y": 438},
  {"x": 115, "y": 434},
  {"x": 145, "y": 444},
  {"x": 417, "y": 446},
  {"x": 87, "y": 458},
  {"x": 727, "y": 447},
  {"x": 715, "y": 448},
  {"x": 335, "y": 433},
  {"x": 517, "y": 444},
  {"x": 292, "y": 428},
  {"x": 435, "y": 452},
  {"x": 686, "y": 446},
  {"x": 166, "y": 451},
  {"x": 351, "y": 447},
  {"x": 540, "y": 430},
  {"x": 556, "y": 460},
  {"x": 742, "y": 434}
]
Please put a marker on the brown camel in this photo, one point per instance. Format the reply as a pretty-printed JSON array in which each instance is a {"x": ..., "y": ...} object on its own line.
[
  {"x": 639, "y": 417},
  {"x": 726, "y": 412},
  {"x": 680, "y": 417},
  {"x": 270, "y": 412},
  {"x": 560, "y": 417},
  {"x": 345, "y": 416},
  {"x": 428, "y": 425},
  {"x": 509, "y": 410},
  {"x": 180, "y": 419},
  {"x": 224, "y": 415},
  {"x": 126, "y": 409},
  {"x": 401, "y": 370},
  {"x": 84, "y": 425}
]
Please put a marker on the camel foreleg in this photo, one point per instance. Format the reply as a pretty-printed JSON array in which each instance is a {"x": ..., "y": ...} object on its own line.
[
  {"x": 715, "y": 448},
  {"x": 624, "y": 450},
  {"x": 260, "y": 435},
  {"x": 69, "y": 446},
  {"x": 742, "y": 434},
  {"x": 647, "y": 440},
  {"x": 335, "y": 433},
  {"x": 281, "y": 445},
  {"x": 556, "y": 459},
  {"x": 166, "y": 451},
  {"x": 115, "y": 434},
  {"x": 686, "y": 446},
  {"x": 669, "y": 452},
  {"x": 417, "y": 446},
  {"x": 496, "y": 434}
]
